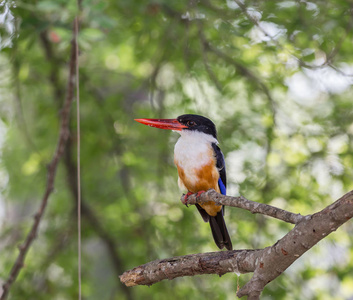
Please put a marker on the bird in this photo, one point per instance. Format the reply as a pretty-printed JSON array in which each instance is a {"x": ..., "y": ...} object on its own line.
[{"x": 201, "y": 166}]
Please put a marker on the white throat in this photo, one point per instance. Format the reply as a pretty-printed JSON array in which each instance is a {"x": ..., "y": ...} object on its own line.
[{"x": 192, "y": 149}]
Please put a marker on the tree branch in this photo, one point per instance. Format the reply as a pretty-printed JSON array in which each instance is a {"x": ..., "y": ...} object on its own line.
[
  {"x": 240, "y": 261},
  {"x": 53, "y": 63},
  {"x": 242, "y": 202},
  {"x": 294, "y": 244},
  {"x": 267, "y": 264},
  {"x": 52, "y": 167}
]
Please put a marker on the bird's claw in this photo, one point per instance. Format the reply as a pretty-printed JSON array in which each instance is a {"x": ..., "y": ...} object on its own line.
[
  {"x": 198, "y": 194},
  {"x": 185, "y": 201}
]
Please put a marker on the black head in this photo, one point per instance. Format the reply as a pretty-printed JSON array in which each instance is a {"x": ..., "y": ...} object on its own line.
[{"x": 198, "y": 123}]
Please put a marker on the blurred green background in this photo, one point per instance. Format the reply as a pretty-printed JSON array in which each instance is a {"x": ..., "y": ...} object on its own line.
[{"x": 276, "y": 78}]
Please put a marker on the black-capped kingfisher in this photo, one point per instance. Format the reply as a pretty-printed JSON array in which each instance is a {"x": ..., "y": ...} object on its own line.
[{"x": 201, "y": 166}]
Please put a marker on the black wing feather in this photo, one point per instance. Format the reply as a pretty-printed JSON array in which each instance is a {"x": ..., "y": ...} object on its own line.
[
  {"x": 220, "y": 163},
  {"x": 218, "y": 226},
  {"x": 205, "y": 216}
]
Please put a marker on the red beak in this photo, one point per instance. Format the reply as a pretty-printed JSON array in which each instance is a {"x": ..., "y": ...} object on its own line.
[{"x": 171, "y": 124}]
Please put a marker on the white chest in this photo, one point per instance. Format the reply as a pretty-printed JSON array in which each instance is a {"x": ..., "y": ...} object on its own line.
[{"x": 193, "y": 150}]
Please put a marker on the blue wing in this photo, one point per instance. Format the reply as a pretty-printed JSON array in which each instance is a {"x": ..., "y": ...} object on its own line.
[{"x": 222, "y": 187}]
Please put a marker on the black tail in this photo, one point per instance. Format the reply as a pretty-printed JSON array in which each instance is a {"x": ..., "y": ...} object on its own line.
[{"x": 220, "y": 232}]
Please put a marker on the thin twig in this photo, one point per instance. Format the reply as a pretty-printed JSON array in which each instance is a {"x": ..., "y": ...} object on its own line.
[
  {"x": 242, "y": 202},
  {"x": 54, "y": 76},
  {"x": 78, "y": 161},
  {"x": 52, "y": 167}
]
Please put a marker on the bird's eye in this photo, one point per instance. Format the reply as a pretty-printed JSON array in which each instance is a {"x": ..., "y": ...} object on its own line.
[{"x": 191, "y": 123}]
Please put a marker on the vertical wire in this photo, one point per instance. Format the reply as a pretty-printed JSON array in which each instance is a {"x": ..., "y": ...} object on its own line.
[{"x": 78, "y": 161}]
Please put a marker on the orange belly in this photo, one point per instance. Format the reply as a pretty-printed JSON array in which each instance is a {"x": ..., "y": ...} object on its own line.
[
  {"x": 202, "y": 179},
  {"x": 211, "y": 208}
]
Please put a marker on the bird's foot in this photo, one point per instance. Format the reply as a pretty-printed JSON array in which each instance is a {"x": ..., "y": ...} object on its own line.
[
  {"x": 198, "y": 194},
  {"x": 186, "y": 199}
]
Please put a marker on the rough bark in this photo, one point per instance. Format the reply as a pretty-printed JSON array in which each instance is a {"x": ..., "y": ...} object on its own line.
[
  {"x": 239, "y": 261},
  {"x": 242, "y": 202}
]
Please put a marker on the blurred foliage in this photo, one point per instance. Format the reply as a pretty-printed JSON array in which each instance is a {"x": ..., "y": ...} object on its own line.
[{"x": 275, "y": 77}]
